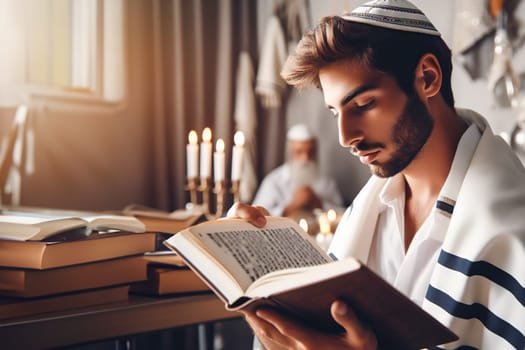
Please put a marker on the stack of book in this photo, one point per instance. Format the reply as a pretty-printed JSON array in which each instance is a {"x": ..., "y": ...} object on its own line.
[
  {"x": 168, "y": 274},
  {"x": 56, "y": 263}
]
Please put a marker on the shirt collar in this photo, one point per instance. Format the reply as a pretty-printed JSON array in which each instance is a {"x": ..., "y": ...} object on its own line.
[{"x": 393, "y": 190}]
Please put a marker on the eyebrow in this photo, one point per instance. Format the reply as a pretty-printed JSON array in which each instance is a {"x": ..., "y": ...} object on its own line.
[{"x": 351, "y": 95}]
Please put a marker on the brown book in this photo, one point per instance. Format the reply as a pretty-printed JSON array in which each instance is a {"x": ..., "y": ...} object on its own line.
[
  {"x": 32, "y": 283},
  {"x": 45, "y": 255},
  {"x": 161, "y": 221},
  {"x": 18, "y": 307},
  {"x": 280, "y": 265},
  {"x": 168, "y": 274}
]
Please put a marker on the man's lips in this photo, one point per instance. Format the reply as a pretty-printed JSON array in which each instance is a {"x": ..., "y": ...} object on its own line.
[{"x": 367, "y": 157}]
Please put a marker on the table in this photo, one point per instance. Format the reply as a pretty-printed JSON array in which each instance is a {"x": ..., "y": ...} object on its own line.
[{"x": 137, "y": 315}]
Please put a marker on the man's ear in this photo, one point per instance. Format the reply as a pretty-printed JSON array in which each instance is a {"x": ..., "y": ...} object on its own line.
[{"x": 428, "y": 77}]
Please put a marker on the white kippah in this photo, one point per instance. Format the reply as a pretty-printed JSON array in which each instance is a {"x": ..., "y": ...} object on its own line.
[
  {"x": 393, "y": 14},
  {"x": 299, "y": 132}
]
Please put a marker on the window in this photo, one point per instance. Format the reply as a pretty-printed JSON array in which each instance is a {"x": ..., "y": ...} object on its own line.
[{"x": 64, "y": 47}]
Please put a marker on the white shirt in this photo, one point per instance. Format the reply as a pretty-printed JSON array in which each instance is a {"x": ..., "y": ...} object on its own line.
[
  {"x": 410, "y": 271},
  {"x": 277, "y": 190}
]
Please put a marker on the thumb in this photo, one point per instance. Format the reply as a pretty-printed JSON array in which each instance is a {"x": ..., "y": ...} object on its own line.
[{"x": 356, "y": 332}]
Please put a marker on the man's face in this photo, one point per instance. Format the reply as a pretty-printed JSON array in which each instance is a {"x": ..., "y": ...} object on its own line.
[
  {"x": 303, "y": 166},
  {"x": 377, "y": 121},
  {"x": 302, "y": 151}
]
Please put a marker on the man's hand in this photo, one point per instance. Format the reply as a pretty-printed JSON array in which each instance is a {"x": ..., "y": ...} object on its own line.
[
  {"x": 253, "y": 214},
  {"x": 304, "y": 198},
  {"x": 277, "y": 331}
]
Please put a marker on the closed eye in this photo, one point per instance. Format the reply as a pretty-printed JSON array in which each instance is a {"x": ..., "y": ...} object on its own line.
[{"x": 364, "y": 107}]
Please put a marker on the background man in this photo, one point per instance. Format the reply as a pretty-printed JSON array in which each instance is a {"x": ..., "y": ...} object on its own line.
[{"x": 298, "y": 186}]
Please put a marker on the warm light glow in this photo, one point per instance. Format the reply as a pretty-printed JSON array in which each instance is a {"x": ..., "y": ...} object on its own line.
[
  {"x": 303, "y": 224},
  {"x": 192, "y": 137},
  {"x": 332, "y": 215},
  {"x": 219, "y": 145},
  {"x": 324, "y": 224},
  {"x": 206, "y": 135},
  {"x": 238, "y": 138}
]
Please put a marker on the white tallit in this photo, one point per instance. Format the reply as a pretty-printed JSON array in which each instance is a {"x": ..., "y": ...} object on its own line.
[{"x": 477, "y": 286}]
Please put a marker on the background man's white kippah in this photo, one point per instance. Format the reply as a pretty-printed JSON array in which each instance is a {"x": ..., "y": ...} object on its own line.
[
  {"x": 393, "y": 14},
  {"x": 299, "y": 132}
]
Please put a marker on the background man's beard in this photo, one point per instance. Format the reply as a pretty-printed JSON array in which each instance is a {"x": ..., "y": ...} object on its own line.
[
  {"x": 410, "y": 133},
  {"x": 304, "y": 173}
]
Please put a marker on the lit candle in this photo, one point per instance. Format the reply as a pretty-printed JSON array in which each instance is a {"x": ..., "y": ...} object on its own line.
[
  {"x": 331, "y": 215},
  {"x": 332, "y": 218},
  {"x": 237, "y": 155},
  {"x": 324, "y": 237},
  {"x": 206, "y": 153},
  {"x": 219, "y": 161},
  {"x": 303, "y": 224},
  {"x": 192, "y": 154},
  {"x": 324, "y": 224}
]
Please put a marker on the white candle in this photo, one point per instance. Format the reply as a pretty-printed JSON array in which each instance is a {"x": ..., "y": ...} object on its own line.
[
  {"x": 324, "y": 224},
  {"x": 219, "y": 169},
  {"x": 192, "y": 154},
  {"x": 303, "y": 224},
  {"x": 237, "y": 155},
  {"x": 324, "y": 237},
  {"x": 206, "y": 153}
]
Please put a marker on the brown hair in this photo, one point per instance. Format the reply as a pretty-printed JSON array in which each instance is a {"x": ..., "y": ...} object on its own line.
[{"x": 391, "y": 51}]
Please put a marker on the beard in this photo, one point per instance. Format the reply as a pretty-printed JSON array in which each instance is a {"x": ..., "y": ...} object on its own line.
[
  {"x": 409, "y": 134},
  {"x": 304, "y": 173}
]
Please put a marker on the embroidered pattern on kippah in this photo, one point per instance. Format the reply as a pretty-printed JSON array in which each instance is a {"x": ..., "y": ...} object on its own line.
[
  {"x": 414, "y": 23},
  {"x": 395, "y": 8}
]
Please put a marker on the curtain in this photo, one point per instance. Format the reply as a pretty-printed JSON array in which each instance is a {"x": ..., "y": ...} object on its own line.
[{"x": 196, "y": 47}]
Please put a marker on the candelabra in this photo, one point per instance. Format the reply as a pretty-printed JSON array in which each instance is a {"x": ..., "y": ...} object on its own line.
[{"x": 205, "y": 189}]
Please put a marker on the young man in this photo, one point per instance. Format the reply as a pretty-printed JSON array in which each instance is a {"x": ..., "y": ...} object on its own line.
[
  {"x": 443, "y": 216},
  {"x": 297, "y": 187}
]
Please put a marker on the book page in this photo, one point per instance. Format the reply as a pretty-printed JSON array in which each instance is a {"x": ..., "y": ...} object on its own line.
[
  {"x": 27, "y": 227},
  {"x": 249, "y": 252},
  {"x": 115, "y": 222}
]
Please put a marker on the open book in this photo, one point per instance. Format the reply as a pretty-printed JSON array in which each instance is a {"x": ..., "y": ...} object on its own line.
[
  {"x": 280, "y": 265},
  {"x": 162, "y": 221},
  {"x": 34, "y": 227}
]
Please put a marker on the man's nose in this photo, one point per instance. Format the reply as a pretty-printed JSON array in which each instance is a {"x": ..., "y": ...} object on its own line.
[{"x": 349, "y": 132}]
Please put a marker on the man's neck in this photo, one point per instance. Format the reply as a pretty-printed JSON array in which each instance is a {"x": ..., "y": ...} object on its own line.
[{"x": 427, "y": 173}]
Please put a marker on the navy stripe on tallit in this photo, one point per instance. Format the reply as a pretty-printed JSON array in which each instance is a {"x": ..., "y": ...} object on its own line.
[
  {"x": 465, "y": 311},
  {"x": 485, "y": 269},
  {"x": 446, "y": 207}
]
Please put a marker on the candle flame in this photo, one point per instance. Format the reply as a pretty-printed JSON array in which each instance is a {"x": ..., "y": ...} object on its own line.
[
  {"x": 303, "y": 224},
  {"x": 238, "y": 138},
  {"x": 219, "y": 145},
  {"x": 192, "y": 137},
  {"x": 332, "y": 215},
  {"x": 324, "y": 224},
  {"x": 206, "y": 135}
]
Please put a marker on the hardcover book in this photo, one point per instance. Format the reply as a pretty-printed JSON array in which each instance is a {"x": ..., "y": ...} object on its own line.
[
  {"x": 71, "y": 251},
  {"x": 281, "y": 266},
  {"x": 28, "y": 283}
]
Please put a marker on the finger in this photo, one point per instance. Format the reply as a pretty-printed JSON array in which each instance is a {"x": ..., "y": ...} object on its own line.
[
  {"x": 250, "y": 213},
  {"x": 291, "y": 330},
  {"x": 266, "y": 332},
  {"x": 262, "y": 210},
  {"x": 356, "y": 332}
]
